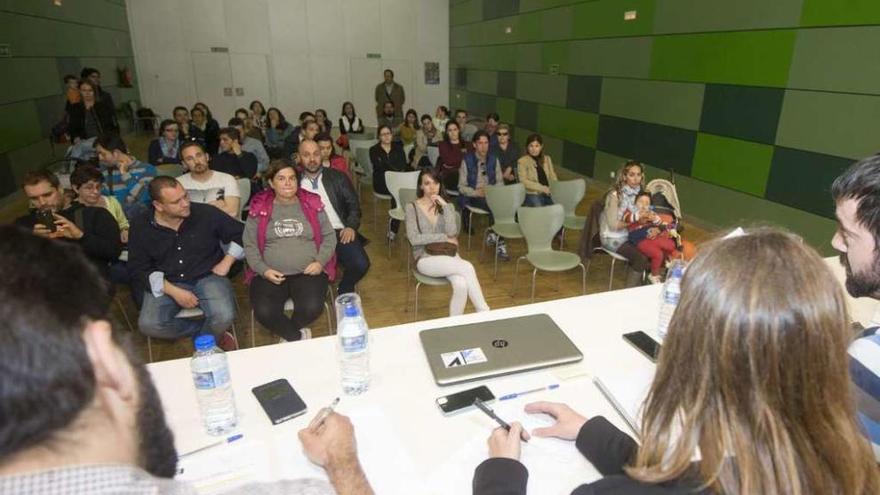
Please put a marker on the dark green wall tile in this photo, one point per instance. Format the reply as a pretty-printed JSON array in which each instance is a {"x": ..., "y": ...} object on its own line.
[
  {"x": 461, "y": 77},
  {"x": 740, "y": 165},
  {"x": 8, "y": 184},
  {"x": 50, "y": 111},
  {"x": 584, "y": 93},
  {"x": 743, "y": 112},
  {"x": 578, "y": 158},
  {"x": 802, "y": 179},
  {"x": 840, "y": 12},
  {"x": 604, "y": 18},
  {"x": 756, "y": 58},
  {"x": 662, "y": 146},
  {"x": 526, "y": 114},
  {"x": 482, "y": 81},
  {"x": 19, "y": 125},
  {"x": 695, "y": 16},
  {"x": 506, "y": 84},
  {"x": 506, "y": 109},
  {"x": 479, "y": 104},
  {"x": 499, "y": 8},
  {"x": 41, "y": 75},
  {"x": 466, "y": 12}
]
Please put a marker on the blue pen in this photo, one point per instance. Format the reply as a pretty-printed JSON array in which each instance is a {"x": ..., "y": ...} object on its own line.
[
  {"x": 211, "y": 446},
  {"x": 526, "y": 392}
]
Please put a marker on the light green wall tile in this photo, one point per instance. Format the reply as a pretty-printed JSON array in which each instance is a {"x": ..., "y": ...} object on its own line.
[
  {"x": 622, "y": 57},
  {"x": 605, "y": 18},
  {"x": 520, "y": 134},
  {"x": 19, "y": 125},
  {"x": 660, "y": 102},
  {"x": 67, "y": 40},
  {"x": 837, "y": 59},
  {"x": 457, "y": 99},
  {"x": 830, "y": 123},
  {"x": 527, "y": 28},
  {"x": 840, "y": 12},
  {"x": 552, "y": 147},
  {"x": 694, "y": 16},
  {"x": 486, "y": 57},
  {"x": 41, "y": 76},
  {"x": 465, "y": 12},
  {"x": 555, "y": 53},
  {"x": 572, "y": 125},
  {"x": 740, "y": 165},
  {"x": 31, "y": 157},
  {"x": 557, "y": 24},
  {"x": 482, "y": 81},
  {"x": 529, "y": 57},
  {"x": 757, "y": 58},
  {"x": 506, "y": 108},
  {"x": 89, "y": 12},
  {"x": 541, "y": 88},
  {"x": 530, "y": 5}
]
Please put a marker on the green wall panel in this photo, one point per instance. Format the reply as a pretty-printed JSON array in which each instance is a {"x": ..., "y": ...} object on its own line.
[
  {"x": 757, "y": 58},
  {"x": 529, "y": 57},
  {"x": 622, "y": 57},
  {"x": 572, "y": 125},
  {"x": 557, "y": 24},
  {"x": 506, "y": 84},
  {"x": 482, "y": 81},
  {"x": 499, "y": 8},
  {"x": 830, "y": 123},
  {"x": 66, "y": 40},
  {"x": 668, "y": 103},
  {"x": 690, "y": 16},
  {"x": 526, "y": 114},
  {"x": 744, "y": 112},
  {"x": 466, "y": 12},
  {"x": 555, "y": 53},
  {"x": 530, "y": 5},
  {"x": 578, "y": 158},
  {"x": 41, "y": 75},
  {"x": 541, "y": 88},
  {"x": 604, "y": 18},
  {"x": 840, "y": 12},
  {"x": 820, "y": 63},
  {"x": 802, "y": 179},
  {"x": 19, "y": 125},
  {"x": 732, "y": 163},
  {"x": 506, "y": 108},
  {"x": 584, "y": 93},
  {"x": 91, "y": 12}
]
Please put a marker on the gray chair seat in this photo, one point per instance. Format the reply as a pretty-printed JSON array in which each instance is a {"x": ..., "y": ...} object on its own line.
[
  {"x": 554, "y": 261},
  {"x": 507, "y": 230}
]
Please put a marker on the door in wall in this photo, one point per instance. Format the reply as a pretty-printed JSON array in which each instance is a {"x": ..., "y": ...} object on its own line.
[
  {"x": 366, "y": 73},
  {"x": 250, "y": 73},
  {"x": 213, "y": 76}
]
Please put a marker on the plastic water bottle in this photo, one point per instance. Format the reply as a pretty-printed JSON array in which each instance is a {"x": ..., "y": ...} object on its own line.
[
  {"x": 353, "y": 348},
  {"x": 669, "y": 296},
  {"x": 210, "y": 371}
]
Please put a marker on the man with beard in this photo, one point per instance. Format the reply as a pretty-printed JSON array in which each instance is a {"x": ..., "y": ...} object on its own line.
[
  {"x": 856, "y": 195},
  {"x": 80, "y": 412}
]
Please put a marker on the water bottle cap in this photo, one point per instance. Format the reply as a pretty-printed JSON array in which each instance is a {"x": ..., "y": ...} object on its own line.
[
  {"x": 350, "y": 310},
  {"x": 204, "y": 342}
]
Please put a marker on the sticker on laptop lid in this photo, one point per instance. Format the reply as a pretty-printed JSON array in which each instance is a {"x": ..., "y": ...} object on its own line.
[{"x": 463, "y": 358}]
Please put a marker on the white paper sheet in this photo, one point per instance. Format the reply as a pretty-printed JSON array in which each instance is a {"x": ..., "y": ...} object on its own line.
[{"x": 226, "y": 467}]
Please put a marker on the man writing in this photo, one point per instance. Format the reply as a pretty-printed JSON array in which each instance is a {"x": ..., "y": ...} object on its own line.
[
  {"x": 92, "y": 422},
  {"x": 204, "y": 185},
  {"x": 342, "y": 208}
]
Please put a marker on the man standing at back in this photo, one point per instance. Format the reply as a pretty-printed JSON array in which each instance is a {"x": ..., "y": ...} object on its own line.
[
  {"x": 856, "y": 195},
  {"x": 388, "y": 90}
]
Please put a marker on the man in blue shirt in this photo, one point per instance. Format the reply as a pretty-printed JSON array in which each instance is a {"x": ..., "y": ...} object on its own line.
[
  {"x": 856, "y": 195},
  {"x": 125, "y": 177}
]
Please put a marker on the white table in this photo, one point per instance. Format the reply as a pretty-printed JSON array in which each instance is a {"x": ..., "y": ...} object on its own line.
[{"x": 404, "y": 389}]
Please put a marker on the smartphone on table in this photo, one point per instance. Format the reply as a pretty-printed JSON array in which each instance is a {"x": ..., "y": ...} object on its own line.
[
  {"x": 461, "y": 401},
  {"x": 644, "y": 343}
]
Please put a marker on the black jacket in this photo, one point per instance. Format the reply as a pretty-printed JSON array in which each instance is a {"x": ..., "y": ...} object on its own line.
[
  {"x": 238, "y": 166},
  {"x": 606, "y": 447},
  {"x": 100, "y": 241},
  {"x": 342, "y": 197},
  {"x": 395, "y": 161},
  {"x": 105, "y": 118}
]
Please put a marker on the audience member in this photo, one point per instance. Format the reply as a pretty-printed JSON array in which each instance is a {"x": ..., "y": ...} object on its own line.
[
  {"x": 389, "y": 91},
  {"x": 329, "y": 158},
  {"x": 80, "y": 412},
  {"x": 71, "y": 90},
  {"x": 390, "y": 119},
  {"x": 427, "y": 135},
  {"x": 308, "y": 131},
  {"x": 185, "y": 131},
  {"x": 207, "y": 186},
  {"x": 856, "y": 194},
  {"x": 324, "y": 124},
  {"x": 164, "y": 149},
  {"x": 650, "y": 235},
  {"x": 491, "y": 128},
  {"x": 507, "y": 152},
  {"x": 87, "y": 120},
  {"x": 203, "y": 131},
  {"x": 126, "y": 177},
  {"x": 294, "y": 259},
  {"x": 452, "y": 151},
  {"x": 212, "y": 128},
  {"x": 93, "y": 76},
  {"x": 441, "y": 117},
  {"x": 54, "y": 216},
  {"x": 612, "y": 229},
  {"x": 480, "y": 169},
  {"x": 467, "y": 129},
  {"x": 232, "y": 158},
  {"x": 387, "y": 156},
  {"x": 248, "y": 128},
  {"x": 341, "y": 206},
  {"x": 87, "y": 182},
  {"x": 432, "y": 229},
  {"x": 535, "y": 172},
  {"x": 746, "y": 414},
  {"x": 250, "y": 145},
  {"x": 259, "y": 119},
  {"x": 176, "y": 258},
  {"x": 349, "y": 122},
  {"x": 409, "y": 127},
  {"x": 277, "y": 131}
]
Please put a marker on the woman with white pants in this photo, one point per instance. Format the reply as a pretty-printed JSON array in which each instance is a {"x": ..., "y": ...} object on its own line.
[{"x": 430, "y": 219}]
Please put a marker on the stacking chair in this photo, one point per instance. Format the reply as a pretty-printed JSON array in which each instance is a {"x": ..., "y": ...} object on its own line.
[
  {"x": 503, "y": 202},
  {"x": 170, "y": 169},
  {"x": 405, "y": 197},
  {"x": 470, "y": 212},
  {"x": 539, "y": 225},
  {"x": 569, "y": 193},
  {"x": 244, "y": 188},
  {"x": 395, "y": 182},
  {"x": 591, "y": 243},
  {"x": 186, "y": 314}
]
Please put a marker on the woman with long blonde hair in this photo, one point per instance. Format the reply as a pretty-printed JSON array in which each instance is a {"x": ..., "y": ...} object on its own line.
[{"x": 751, "y": 393}]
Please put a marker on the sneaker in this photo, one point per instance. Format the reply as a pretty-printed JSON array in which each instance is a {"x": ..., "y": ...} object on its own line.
[
  {"x": 228, "y": 342},
  {"x": 502, "y": 251},
  {"x": 391, "y": 235},
  {"x": 491, "y": 238},
  {"x": 655, "y": 279}
]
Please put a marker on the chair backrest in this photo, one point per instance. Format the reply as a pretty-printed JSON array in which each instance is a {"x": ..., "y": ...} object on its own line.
[
  {"x": 407, "y": 196},
  {"x": 590, "y": 235},
  {"x": 539, "y": 224},
  {"x": 407, "y": 148},
  {"x": 362, "y": 155},
  {"x": 170, "y": 169},
  {"x": 400, "y": 180},
  {"x": 503, "y": 201},
  {"x": 433, "y": 154},
  {"x": 568, "y": 193},
  {"x": 244, "y": 188}
]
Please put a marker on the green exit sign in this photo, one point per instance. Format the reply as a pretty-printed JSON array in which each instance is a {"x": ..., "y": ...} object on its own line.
[{"x": 374, "y": 55}]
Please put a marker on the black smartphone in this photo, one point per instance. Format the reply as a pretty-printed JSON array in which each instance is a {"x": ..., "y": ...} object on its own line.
[
  {"x": 46, "y": 218},
  {"x": 644, "y": 343},
  {"x": 460, "y": 401},
  {"x": 279, "y": 400}
]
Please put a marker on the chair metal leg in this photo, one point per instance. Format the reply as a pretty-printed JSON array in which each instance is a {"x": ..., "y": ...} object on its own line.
[
  {"x": 583, "y": 278},
  {"x": 330, "y": 330},
  {"x": 416, "y": 311},
  {"x": 562, "y": 240},
  {"x": 534, "y": 272},
  {"x": 495, "y": 273},
  {"x": 150, "y": 348},
  {"x": 611, "y": 277},
  {"x": 388, "y": 240},
  {"x": 124, "y": 315},
  {"x": 253, "y": 331},
  {"x": 483, "y": 243},
  {"x": 470, "y": 227},
  {"x": 515, "y": 273}
]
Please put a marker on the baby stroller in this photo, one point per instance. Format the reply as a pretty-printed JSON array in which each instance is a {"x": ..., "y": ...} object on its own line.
[{"x": 664, "y": 198}]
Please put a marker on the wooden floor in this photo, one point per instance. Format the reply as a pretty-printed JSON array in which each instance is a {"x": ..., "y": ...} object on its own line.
[{"x": 384, "y": 289}]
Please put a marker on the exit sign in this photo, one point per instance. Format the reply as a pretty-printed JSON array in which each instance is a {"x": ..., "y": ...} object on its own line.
[{"x": 374, "y": 55}]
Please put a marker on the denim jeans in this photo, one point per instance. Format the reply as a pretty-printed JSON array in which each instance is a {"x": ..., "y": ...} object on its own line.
[
  {"x": 157, "y": 318},
  {"x": 537, "y": 200}
]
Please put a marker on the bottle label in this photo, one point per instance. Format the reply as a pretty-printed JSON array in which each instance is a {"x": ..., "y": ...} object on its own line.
[
  {"x": 206, "y": 380},
  {"x": 354, "y": 344}
]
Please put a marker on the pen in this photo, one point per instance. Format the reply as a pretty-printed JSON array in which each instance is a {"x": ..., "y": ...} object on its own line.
[
  {"x": 211, "y": 446},
  {"x": 323, "y": 413},
  {"x": 525, "y": 392},
  {"x": 489, "y": 412}
]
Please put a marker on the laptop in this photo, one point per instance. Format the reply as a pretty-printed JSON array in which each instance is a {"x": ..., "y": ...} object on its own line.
[{"x": 491, "y": 348}]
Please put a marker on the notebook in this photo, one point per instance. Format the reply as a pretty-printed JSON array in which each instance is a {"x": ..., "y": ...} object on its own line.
[{"x": 480, "y": 350}]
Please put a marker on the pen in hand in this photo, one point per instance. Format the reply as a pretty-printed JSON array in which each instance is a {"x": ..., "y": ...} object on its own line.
[
  {"x": 323, "y": 414},
  {"x": 489, "y": 412}
]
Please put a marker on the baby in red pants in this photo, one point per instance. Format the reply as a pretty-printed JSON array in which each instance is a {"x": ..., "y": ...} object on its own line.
[{"x": 650, "y": 234}]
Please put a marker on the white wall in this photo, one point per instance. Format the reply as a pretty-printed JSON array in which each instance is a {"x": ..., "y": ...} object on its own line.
[{"x": 313, "y": 52}]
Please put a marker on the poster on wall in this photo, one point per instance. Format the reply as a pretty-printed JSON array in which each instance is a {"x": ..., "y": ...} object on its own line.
[{"x": 432, "y": 73}]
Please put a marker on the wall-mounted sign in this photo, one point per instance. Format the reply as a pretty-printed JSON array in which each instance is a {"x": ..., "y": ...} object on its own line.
[
  {"x": 5, "y": 50},
  {"x": 432, "y": 73},
  {"x": 374, "y": 55}
]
